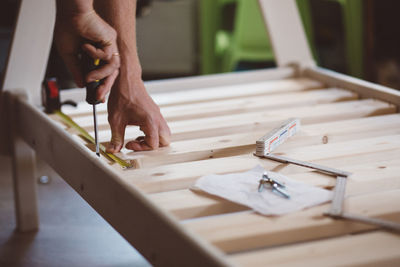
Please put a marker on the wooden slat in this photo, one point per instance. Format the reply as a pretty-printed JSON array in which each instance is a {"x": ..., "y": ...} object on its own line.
[
  {"x": 186, "y": 204},
  {"x": 258, "y": 103},
  {"x": 286, "y": 33},
  {"x": 247, "y": 230},
  {"x": 231, "y": 145},
  {"x": 363, "y": 88},
  {"x": 258, "y": 121},
  {"x": 369, "y": 249},
  {"x": 243, "y": 104},
  {"x": 195, "y": 82},
  {"x": 216, "y": 93},
  {"x": 182, "y": 175},
  {"x": 220, "y": 79}
]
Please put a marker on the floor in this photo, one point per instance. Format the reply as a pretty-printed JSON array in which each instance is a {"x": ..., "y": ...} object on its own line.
[{"x": 71, "y": 232}]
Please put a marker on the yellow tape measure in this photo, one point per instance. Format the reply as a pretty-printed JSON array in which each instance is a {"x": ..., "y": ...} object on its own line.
[{"x": 70, "y": 122}]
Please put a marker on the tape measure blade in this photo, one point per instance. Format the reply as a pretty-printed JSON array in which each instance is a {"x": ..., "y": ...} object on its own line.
[{"x": 71, "y": 123}]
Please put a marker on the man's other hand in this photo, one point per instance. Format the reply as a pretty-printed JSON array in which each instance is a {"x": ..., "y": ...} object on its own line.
[
  {"x": 72, "y": 33},
  {"x": 130, "y": 104}
]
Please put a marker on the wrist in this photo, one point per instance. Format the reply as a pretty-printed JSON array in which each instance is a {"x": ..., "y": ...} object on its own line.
[
  {"x": 74, "y": 8},
  {"x": 130, "y": 84},
  {"x": 130, "y": 65}
]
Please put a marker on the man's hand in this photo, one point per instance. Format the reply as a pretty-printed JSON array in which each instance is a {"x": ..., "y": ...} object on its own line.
[
  {"x": 73, "y": 28},
  {"x": 129, "y": 104}
]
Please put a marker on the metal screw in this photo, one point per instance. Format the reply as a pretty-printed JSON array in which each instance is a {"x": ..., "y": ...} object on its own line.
[
  {"x": 275, "y": 186},
  {"x": 44, "y": 179},
  {"x": 279, "y": 190}
]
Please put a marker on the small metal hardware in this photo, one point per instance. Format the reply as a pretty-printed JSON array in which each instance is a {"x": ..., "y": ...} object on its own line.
[
  {"x": 44, "y": 179},
  {"x": 273, "y": 184}
]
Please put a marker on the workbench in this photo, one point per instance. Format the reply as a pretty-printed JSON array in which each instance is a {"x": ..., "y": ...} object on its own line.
[{"x": 215, "y": 121}]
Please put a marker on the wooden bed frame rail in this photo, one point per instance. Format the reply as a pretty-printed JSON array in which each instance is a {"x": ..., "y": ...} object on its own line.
[
  {"x": 151, "y": 230},
  {"x": 158, "y": 235}
]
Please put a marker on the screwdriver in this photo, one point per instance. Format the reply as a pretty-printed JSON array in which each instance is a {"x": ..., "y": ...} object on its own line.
[{"x": 90, "y": 64}]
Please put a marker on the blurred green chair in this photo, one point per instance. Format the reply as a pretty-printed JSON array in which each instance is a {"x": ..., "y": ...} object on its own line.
[
  {"x": 222, "y": 50},
  {"x": 248, "y": 41}
]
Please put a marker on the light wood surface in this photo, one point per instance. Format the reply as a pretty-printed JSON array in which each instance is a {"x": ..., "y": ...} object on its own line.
[
  {"x": 361, "y": 136},
  {"x": 286, "y": 33},
  {"x": 212, "y": 134},
  {"x": 24, "y": 180},
  {"x": 370, "y": 249},
  {"x": 215, "y": 121}
]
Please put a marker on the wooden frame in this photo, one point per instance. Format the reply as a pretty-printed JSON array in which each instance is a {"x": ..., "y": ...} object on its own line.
[{"x": 178, "y": 227}]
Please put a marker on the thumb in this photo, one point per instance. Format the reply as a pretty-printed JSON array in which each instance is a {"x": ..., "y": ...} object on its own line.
[{"x": 117, "y": 137}]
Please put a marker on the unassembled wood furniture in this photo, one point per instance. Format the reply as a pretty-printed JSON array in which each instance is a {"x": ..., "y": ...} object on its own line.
[{"x": 348, "y": 124}]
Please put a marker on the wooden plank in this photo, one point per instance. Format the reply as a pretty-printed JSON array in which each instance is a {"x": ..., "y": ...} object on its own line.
[
  {"x": 28, "y": 58},
  {"x": 232, "y": 145},
  {"x": 258, "y": 103},
  {"x": 206, "y": 81},
  {"x": 186, "y": 204},
  {"x": 243, "y": 104},
  {"x": 182, "y": 175},
  {"x": 104, "y": 190},
  {"x": 363, "y": 88},
  {"x": 24, "y": 180},
  {"x": 28, "y": 55},
  {"x": 24, "y": 186},
  {"x": 247, "y": 230},
  {"x": 260, "y": 121},
  {"x": 196, "y": 82},
  {"x": 202, "y": 95},
  {"x": 237, "y": 144},
  {"x": 286, "y": 33},
  {"x": 222, "y": 79},
  {"x": 369, "y": 249}
]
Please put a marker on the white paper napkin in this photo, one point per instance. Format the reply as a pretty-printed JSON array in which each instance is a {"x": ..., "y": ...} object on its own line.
[{"x": 242, "y": 188}]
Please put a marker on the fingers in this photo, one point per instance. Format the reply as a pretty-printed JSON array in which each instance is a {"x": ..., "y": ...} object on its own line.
[
  {"x": 105, "y": 88},
  {"x": 155, "y": 137},
  {"x": 138, "y": 145},
  {"x": 117, "y": 136},
  {"x": 95, "y": 52},
  {"x": 151, "y": 136},
  {"x": 165, "y": 133},
  {"x": 149, "y": 142},
  {"x": 108, "y": 55}
]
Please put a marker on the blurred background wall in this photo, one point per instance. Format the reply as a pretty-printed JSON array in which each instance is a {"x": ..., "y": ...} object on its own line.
[{"x": 193, "y": 37}]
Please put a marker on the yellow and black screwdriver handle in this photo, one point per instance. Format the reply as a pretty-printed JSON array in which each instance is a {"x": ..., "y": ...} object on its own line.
[{"x": 89, "y": 64}]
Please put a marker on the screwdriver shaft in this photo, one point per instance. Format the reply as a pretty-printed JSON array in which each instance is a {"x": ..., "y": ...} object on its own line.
[{"x": 95, "y": 131}]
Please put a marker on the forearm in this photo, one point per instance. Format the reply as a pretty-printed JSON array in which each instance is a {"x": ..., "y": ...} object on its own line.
[
  {"x": 121, "y": 16},
  {"x": 74, "y": 7}
]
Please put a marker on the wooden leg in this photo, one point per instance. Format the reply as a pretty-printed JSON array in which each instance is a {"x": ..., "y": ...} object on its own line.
[
  {"x": 23, "y": 166},
  {"x": 24, "y": 186}
]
